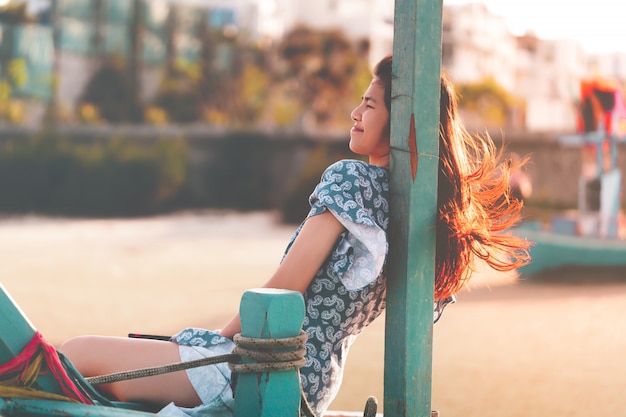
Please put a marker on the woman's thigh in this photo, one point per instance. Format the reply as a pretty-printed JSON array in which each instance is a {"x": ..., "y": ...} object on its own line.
[{"x": 101, "y": 355}]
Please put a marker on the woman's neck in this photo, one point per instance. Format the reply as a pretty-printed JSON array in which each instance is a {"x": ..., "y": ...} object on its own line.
[{"x": 381, "y": 161}]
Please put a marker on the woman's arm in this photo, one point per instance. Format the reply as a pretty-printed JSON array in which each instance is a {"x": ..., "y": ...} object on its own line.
[{"x": 310, "y": 249}]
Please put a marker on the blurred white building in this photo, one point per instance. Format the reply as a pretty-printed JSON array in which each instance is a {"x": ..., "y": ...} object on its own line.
[
  {"x": 353, "y": 17},
  {"x": 548, "y": 80},
  {"x": 36, "y": 6},
  {"x": 544, "y": 74},
  {"x": 608, "y": 65},
  {"x": 477, "y": 45},
  {"x": 244, "y": 14},
  {"x": 381, "y": 31}
]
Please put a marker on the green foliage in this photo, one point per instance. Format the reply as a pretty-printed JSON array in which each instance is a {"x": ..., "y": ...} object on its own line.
[
  {"x": 254, "y": 91},
  {"x": 295, "y": 205},
  {"x": 179, "y": 95},
  {"x": 16, "y": 76},
  {"x": 14, "y": 14},
  {"x": 311, "y": 76},
  {"x": 486, "y": 89},
  {"x": 238, "y": 87},
  {"x": 240, "y": 177},
  {"x": 110, "y": 91},
  {"x": 181, "y": 105},
  {"x": 487, "y": 98},
  {"x": 322, "y": 65},
  {"x": 132, "y": 176},
  {"x": 18, "y": 72},
  {"x": 114, "y": 177}
]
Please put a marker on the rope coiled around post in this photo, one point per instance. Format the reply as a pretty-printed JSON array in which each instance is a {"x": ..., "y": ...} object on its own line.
[{"x": 269, "y": 354}]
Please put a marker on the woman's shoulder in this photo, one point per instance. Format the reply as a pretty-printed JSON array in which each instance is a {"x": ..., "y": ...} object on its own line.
[{"x": 355, "y": 184}]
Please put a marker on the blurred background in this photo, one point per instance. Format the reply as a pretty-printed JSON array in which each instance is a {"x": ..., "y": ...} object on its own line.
[
  {"x": 133, "y": 107},
  {"x": 155, "y": 156}
]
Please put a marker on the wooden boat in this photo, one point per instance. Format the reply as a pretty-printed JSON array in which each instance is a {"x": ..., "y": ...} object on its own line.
[
  {"x": 593, "y": 236},
  {"x": 409, "y": 318},
  {"x": 553, "y": 250}
]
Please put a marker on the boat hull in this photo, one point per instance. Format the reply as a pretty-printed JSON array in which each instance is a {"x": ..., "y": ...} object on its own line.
[{"x": 553, "y": 250}]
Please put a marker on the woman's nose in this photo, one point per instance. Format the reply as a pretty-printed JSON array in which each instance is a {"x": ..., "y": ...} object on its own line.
[{"x": 356, "y": 114}]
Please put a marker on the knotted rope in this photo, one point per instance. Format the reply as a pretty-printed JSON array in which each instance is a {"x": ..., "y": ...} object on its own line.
[{"x": 269, "y": 354}]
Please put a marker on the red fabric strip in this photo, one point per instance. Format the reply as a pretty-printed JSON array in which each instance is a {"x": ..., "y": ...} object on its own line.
[{"x": 53, "y": 362}]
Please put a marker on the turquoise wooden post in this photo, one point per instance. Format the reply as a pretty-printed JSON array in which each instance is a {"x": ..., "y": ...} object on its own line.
[
  {"x": 414, "y": 132},
  {"x": 266, "y": 314},
  {"x": 15, "y": 333}
]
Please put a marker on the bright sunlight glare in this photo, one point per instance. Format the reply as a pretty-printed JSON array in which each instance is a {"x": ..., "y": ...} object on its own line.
[{"x": 597, "y": 25}]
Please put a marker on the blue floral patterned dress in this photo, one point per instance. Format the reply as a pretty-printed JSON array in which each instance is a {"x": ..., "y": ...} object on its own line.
[{"x": 346, "y": 294}]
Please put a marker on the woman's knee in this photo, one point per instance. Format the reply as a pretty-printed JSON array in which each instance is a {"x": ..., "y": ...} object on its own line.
[
  {"x": 75, "y": 345},
  {"x": 72, "y": 344},
  {"x": 83, "y": 353}
]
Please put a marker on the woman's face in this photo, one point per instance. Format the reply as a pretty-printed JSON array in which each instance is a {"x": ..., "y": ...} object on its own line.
[{"x": 370, "y": 133}]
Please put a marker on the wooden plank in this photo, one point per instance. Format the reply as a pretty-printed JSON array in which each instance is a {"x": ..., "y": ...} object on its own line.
[
  {"x": 17, "y": 330},
  {"x": 409, "y": 317},
  {"x": 16, "y": 407},
  {"x": 265, "y": 314}
]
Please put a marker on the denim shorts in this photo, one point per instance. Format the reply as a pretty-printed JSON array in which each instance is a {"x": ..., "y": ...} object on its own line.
[{"x": 212, "y": 384}]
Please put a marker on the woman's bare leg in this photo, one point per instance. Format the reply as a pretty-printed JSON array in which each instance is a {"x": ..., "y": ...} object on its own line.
[{"x": 99, "y": 355}]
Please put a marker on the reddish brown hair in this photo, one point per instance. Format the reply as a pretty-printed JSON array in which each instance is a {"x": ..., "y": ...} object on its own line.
[{"x": 473, "y": 201}]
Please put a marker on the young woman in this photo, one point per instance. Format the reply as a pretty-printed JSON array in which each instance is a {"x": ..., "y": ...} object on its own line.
[{"x": 336, "y": 260}]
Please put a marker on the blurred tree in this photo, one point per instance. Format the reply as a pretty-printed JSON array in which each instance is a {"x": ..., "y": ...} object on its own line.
[
  {"x": 300, "y": 48},
  {"x": 170, "y": 47},
  {"x": 14, "y": 72},
  {"x": 219, "y": 72},
  {"x": 15, "y": 13},
  {"x": 134, "y": 59},
  {"x": 235, "y": 77},
  {"x": 110, "y": 92},
  {"x": 322, "y": 66},
  {"x": 179, "y": 97},
  {"x": 487, "y": 99},
  {"x": 254, "y": 91}
]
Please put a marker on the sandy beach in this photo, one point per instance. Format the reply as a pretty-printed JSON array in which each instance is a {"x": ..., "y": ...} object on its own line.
[{"x": 508, "y": 348}]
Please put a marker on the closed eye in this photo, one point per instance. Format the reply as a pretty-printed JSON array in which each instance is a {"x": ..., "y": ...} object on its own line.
[{"x": 367, "y": 100}]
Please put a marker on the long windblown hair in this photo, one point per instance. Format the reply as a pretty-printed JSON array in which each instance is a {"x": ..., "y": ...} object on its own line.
[{"x": 473, "y": 198}]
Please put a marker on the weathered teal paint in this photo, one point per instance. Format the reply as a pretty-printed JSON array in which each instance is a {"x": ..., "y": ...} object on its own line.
[
  {"x": 15, "y": 333},
  {"x": 265, "y": 314},
  {"x": 553, "y": 250},
  {"x": 15, "y": 407},
  {"x": 409, "y": 318}
]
